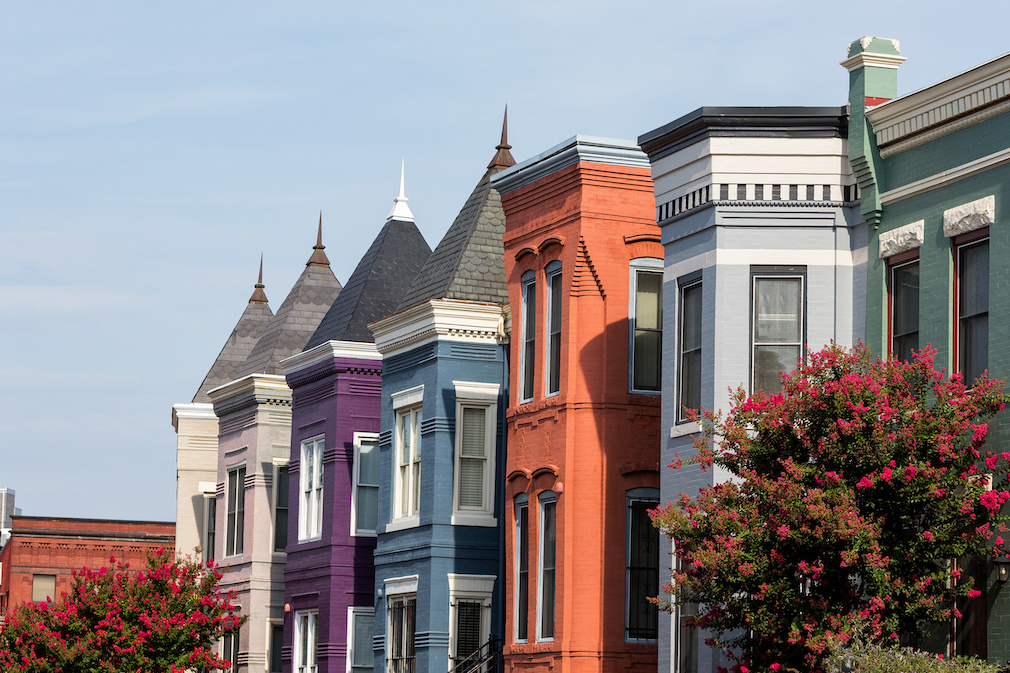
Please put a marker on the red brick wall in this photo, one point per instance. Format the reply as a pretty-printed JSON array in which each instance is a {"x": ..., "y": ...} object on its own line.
[{"x": 594, "y": 441}]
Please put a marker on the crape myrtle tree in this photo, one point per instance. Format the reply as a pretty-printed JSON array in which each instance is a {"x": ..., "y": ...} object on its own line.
[
  {"x": 852, "y": 493},
  {"x": 164, "y": 618}
]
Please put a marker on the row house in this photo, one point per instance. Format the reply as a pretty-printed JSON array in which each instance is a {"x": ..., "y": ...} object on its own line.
[
  {"x": 934, "y": 170},
  {"x": 438, "y": 570},
  {"x": 764, "y": 256},
  {"x": 334, "y": 471},
  {"x": 583, "y": 262}
]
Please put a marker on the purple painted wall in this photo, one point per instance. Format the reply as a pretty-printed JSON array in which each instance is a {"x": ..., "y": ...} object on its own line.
[{"x": 336, "y": 398}]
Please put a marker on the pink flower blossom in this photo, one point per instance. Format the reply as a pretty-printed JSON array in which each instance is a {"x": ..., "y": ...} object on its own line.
[
  {"x": 928, "y": 536},
  {"x": 864, "y": 483},
  {"x": 776, "y": 667},
  {"x": 974, "y": 593},
  {"x": 886, "y": 474},
  {"x": 910, "y": 472},
  {"x": 999, "y": 541}
]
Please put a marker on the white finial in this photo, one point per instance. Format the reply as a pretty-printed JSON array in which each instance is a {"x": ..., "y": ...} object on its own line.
[{"x": 400, "y": 211}]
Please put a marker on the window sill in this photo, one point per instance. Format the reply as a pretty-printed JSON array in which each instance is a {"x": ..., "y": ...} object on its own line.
[
  {"x": 403, "y": 523},
  {"x": 314, "y": 538},
  {"x": 482, "y": 519},
  {"x": 684, "y": 429},
  {"x": 364, "y": 533}
]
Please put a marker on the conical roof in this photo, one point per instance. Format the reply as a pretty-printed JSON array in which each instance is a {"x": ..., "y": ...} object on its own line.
[
  {"x": 378, "y": 283},
  {"x": 297, "y": 318},
  {"x": 236, "y": 350},
  {"x": 469, "y": 262}
]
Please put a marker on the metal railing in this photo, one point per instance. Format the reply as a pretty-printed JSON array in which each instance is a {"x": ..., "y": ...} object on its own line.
[{"x": 487, "y": 659}]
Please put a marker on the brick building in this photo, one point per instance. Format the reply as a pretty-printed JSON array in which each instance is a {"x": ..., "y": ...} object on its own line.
[
  {"x": 583, "y": 261},
  {"x": 37, "y": 560}
]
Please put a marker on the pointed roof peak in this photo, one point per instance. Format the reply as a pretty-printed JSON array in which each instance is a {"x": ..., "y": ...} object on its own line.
[
  {"x": 400, "y": 211},
  {"x": 318, "y": 256},
  {"x": 258, "y": 295},
  {"x": 503, "y": 158}
]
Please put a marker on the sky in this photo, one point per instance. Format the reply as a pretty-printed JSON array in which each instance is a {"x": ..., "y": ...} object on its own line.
[{"x": 151, "y": 151}]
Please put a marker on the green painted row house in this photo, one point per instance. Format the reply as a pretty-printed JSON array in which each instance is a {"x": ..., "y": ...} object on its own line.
[{"x": 933, "y": 169}]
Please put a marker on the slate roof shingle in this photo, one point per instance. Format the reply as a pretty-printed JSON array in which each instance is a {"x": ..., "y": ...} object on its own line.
[
  {"x": 377, "y": 285},
  {"x": 236, "y": 350}
]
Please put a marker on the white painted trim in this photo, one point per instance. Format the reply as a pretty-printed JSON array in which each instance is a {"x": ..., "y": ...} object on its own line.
[
  {"x": 440, "y": 319},
  {"x": 395, "y": 586},
  {"x": 408, "y": 398},
  {"x": 402, "y": 523},
  {"x": 484, "y": 515},
  {"x": 206, "y": 487},
  {"x": 684, "y": 429},
  {"x": 945, "y": 177},
  {"x": 473, "y": 390},
  {"x": 354, "y": 350},
  {"x": 873, "y": 60},
  {"x": 352, "y": 612},
  {"x": 265, "y": 383},
  {"x": 357, "y": 440},
  {"x": 198, "y": 410},
  {"x": 969, "y": 216},
  {"x": 901, "y": 239}
]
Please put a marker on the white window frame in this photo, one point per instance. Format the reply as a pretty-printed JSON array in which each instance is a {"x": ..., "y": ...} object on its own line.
[
  {"x": 359, "y": 438},
  {"x": 209, "y": 523},
  {"x": 234, "y": 544},
  {"x": 311, "y": 493},
  {"x": 527, "y": 342},
  {"x": 635, "y": 495},
  {"x": 352, "y": 612},
  {"x": 399, "y": 589},
  {"x": 692, "y": 281},
  {"x": 406, "y": 405},
  {"x": 469, "y": 588},
  {"x": 638, "y": 265},
  {"x": 275, "y": 497},
  {"x": 789, "y": 272},
  {"x": 522, "y": 502},
  {"x": 553, "y": 287},
  {"x": 311, "y": 624},
  {"x": 471, "y": 394},
  {"x": 545, "y": 498}
]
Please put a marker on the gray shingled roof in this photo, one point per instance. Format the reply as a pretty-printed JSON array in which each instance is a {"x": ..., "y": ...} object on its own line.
[
  {"x": 250, "y": 327},
  {"x": 297, "y": 318},
  {"x": 469, "y": 261},
  {"x": 377, "y": 285}
]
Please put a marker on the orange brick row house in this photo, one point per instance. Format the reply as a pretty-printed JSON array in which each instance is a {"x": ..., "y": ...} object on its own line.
[{"x": 583, "y": 262}]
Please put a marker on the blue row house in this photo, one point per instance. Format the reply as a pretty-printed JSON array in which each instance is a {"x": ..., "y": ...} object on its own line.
[
  {"x": 332, "y": 495},
  {"x": 438, "y": 565},
  {"x": 764, "y": 257}
]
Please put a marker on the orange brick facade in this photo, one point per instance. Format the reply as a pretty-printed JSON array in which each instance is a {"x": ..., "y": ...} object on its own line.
[
  {"x": 593, "y": 441},
  {"x": 57, "y": 546}
]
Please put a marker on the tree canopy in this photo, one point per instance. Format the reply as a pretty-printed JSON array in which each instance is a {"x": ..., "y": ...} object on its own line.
[
  {"x": 164, "y": 618},
  {"x": 851, "y": 494}
]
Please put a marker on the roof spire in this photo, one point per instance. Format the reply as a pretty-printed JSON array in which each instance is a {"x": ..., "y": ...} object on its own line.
[
  {"x": 503, "y": 158},
  {"x": 258, "y": 295},
  {"x": 400, "y": 211},
  {"x": 318, "y": 256}
]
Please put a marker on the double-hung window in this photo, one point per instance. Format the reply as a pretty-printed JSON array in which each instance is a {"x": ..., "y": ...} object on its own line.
[
  {"x": 235, "y": 521},
  {"x": 209, "y": 525},
  {"x": 779, "y": 327},
  {"x": 646, "y": 313},
  {"x": 642, "y": 616},
  {"x": 306, "y": 641},
  {"x": 360, "y": 628},
  {"x": 229, "y": 650},
  {"x": 280, "y": 507},
  {"x": 548, "y": 557},
  {"x": 310, "y": 511},
  {"x": 972, "y": 305},
  {"x": 469, "y": 618},
  {"x": 528, "y": 342},
  {"x": 689, "y": 345},
  {"x": 402, "y": 623},
  {"x": 476, "y": 430},
  {"x": 903, "y": 295},
  {"x": 552, "y": 364},
  {"x": 365, "y": 495},
  {"x": 522, "y": 542},
  {"x": 406, "y": 491}
]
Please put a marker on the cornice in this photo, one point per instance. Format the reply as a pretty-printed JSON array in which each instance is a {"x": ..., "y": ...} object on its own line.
[
  {"x": 251, "y": 389},
  {"x": 945, "y": 177},
  {"x": 440, "y": 319},
  {"x": 873, "y": 60},
  {"x": 353, "y": 350},
  {"x": 942, "y": 108},
  {"x": 192, "y": 410},
  {"x": 580, "y": 148}
]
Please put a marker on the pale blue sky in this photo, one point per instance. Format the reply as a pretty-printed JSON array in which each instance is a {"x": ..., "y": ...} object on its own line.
[{"x": 150, "y": 151}]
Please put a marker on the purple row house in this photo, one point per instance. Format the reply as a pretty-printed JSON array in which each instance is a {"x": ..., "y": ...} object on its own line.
[{"x": 332, "y": 497}]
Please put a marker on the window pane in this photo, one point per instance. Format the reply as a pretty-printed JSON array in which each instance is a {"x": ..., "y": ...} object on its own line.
[
  {"x": 364, "y": 627},
  {"x": 973, "y": 328},
  {"x": 690, "y": 333},
  {"x": 276, "y": 643},
  {"x": 368, "y": 508},
  {"x": 472, "y": 442},
  {"x": 467, "y": 628},
  {"x": 777, "y": 309},
  {"x": 522, "y": 571},
  {"x": 548, "y": 551},
  {"x": 471, "y": 483},
  {"x": 43, "y": 588},
  {"x": 281, "y": 510},
  {"x": 905, "y": 309},
  {"x": 643, "y": 572},
  {"x": 648, "y": 346},
  {"x": 974, "y": 272},
  {"x": 648, "y": 306},
  {"x": 770, "y": 362},
  {"x": 368, "y": 462},
  {"x": 974, "y": 345}
]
